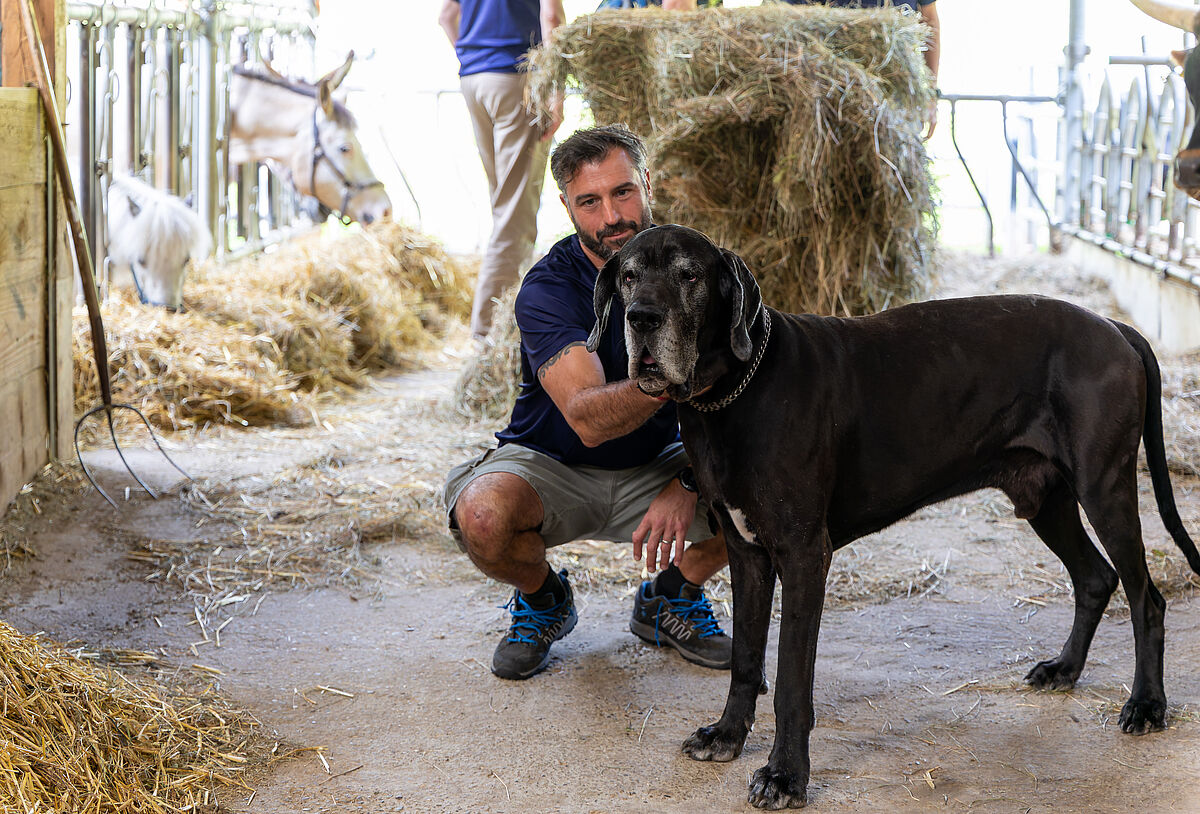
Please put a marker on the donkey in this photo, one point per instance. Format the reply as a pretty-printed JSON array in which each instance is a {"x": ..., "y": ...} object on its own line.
[
  {"x": 306, "y": 137},
  {"x": 153, "y": 234}
]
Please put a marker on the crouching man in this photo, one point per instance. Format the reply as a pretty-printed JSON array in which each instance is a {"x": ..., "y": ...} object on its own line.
[{"x": 586, "y": 454}]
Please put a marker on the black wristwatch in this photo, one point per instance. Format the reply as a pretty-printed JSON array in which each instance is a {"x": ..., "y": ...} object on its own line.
[{"x": 687, "y": 479}]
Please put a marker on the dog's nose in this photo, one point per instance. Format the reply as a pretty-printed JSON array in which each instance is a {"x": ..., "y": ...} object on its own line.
[{"x": 644, "y": 318}]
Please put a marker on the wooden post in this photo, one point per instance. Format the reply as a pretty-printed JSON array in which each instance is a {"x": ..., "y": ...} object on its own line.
[{"x": 15, "y": 69}]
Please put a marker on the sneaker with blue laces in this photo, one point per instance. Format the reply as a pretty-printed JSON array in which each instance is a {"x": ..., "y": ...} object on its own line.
[
  {"x": 525, "y": 649},
  {"x": 686, "y": 623}
]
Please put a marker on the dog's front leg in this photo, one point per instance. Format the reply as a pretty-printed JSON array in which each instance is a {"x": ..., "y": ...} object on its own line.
[
  {"x": 753, "y": 578},
  {"x": 803, "y": 563}
]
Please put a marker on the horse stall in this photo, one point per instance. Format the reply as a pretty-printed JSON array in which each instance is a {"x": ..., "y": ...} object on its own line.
[
  {"x": 35, "y": 266},
  {"x": 151, "y": 99}
]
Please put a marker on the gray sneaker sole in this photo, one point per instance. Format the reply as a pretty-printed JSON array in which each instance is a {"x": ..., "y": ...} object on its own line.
[{"x": 646, "y": 633}]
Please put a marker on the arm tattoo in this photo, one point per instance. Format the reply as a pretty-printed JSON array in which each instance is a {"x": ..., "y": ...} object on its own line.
[{"x": 544, "y": 369}]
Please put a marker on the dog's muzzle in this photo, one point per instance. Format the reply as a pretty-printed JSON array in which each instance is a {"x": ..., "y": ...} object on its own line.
[{"x": 658, "y": 359}]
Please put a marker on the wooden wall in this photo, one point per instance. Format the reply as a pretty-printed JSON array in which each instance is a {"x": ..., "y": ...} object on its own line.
[{"x": 36, "y": 284}]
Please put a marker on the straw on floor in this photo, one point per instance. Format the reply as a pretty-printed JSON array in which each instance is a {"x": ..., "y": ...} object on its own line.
[{"x": 75, "y": 737}]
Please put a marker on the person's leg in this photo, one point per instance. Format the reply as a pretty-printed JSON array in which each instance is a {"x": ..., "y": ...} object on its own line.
[
  {"x": 515, "y": 183},
  {"x": 672, "y": 609},
  {"x": 498, "y": 515},
  {"x": 703, "y": 559},
  {"x": 505, "y": 509}
]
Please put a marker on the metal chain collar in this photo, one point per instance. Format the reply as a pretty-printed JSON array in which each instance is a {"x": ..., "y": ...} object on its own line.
[{"x": 711, "y": 407}]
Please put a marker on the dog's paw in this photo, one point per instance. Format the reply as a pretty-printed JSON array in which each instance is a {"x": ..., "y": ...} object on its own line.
[
  {"x": 1140, "y": 717},
  {"x": 713, "y": 743},
  {"x": 774, "y": 789},
  {"x": 1052, "y": 675}
]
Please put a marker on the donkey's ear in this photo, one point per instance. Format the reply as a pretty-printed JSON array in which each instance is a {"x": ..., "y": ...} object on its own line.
[
  {"x": 335, "y": 77},
  {"x": 325, "y": 98},
  {"x": 606, "y": 287},
  {"x": 739, "y": 285}
]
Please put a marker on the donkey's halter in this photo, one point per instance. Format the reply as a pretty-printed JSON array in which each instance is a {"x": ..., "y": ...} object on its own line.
[
  {"x": 349, "y": 188},
  {"x": 713, "y": 406}
]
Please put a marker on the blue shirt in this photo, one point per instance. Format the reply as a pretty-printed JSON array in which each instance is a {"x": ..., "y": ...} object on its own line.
[
  {"x": 554, "y": 308},
  {"x": 494, "y": 35}
]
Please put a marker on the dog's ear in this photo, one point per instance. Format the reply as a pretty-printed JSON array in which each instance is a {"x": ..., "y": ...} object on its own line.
[
  {"x": 739, "y": 285},
  {"x": 606, "y": 286}
]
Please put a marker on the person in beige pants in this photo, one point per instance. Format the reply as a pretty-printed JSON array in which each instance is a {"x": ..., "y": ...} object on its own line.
[{"x": 491, "y": 38}]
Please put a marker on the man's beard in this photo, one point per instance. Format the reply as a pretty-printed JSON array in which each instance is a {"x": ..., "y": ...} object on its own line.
[{"x": 595, "y": 243}]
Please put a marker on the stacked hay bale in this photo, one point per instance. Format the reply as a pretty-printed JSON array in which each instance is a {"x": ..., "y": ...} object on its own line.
[
  {"x": 75, "y": 737},
  {"x": 790, "y": 134},
  {"x": 262, "y": 338}
]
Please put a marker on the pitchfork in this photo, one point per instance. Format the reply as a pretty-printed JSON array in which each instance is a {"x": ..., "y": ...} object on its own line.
[{"x": 83, "y": 256}]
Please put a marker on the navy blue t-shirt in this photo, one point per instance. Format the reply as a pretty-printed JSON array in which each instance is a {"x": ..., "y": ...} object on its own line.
[
  {"x": 493, "y": 35},
  {"x": 554, "y": 308}
]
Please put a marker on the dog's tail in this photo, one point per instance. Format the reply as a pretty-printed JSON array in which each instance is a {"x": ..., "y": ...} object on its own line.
[{"x": 1156, "y": 455}]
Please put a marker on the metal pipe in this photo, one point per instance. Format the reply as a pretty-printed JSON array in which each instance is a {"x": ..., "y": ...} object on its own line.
[
  {"x": 1072, "y": 101},
  {"x": 1165, "y": 268},
  {"x": 1140, "y": 60},
  {"x": 281, "y": 20},
  {"x": 982, "y": 200}
]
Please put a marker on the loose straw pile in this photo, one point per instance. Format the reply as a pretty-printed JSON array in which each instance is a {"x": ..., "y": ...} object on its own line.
[
  {"x": 78, "y": 738},
  {"x": 489, "y": 382},
  {"x": 264, "y": 339}
]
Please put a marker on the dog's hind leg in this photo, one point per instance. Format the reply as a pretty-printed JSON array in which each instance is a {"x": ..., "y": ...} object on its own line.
[
  {"x": 1058, "y": 523},
  {"x": 753, "y": 577},
  {"x": 1112, "y": 508}
]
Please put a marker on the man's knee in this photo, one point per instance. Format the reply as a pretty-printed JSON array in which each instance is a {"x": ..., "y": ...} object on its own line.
[
  {"x": 492, "y": 511},
  {"x": 483, "y": 526}
]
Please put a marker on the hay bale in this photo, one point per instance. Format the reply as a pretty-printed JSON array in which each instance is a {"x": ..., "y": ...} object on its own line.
[
  {"x": 77, "y": 737},
  {"x": 789, "y": 134},
  {"x": 489, "y": 382},
  {"x": 184, "y": 370}
]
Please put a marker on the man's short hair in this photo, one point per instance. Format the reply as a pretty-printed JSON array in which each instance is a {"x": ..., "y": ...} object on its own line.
[{"x": 592, "y": 146}]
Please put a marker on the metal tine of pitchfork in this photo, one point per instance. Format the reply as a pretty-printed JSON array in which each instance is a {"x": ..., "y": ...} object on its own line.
[{"x": 83, "y": 256}]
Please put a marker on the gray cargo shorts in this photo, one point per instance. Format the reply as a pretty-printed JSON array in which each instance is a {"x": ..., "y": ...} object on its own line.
[{"x": 579, "y": 502}]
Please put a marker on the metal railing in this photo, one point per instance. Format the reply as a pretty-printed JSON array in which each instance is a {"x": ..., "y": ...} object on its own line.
[
  {"x": 149, "y": 96},
  {"x": 1123, "y": 158}
]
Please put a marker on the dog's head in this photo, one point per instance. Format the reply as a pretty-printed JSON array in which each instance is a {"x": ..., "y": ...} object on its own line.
[{"x": 686, "y": 299}]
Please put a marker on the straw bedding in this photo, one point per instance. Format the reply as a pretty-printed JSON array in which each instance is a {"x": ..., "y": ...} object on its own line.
[
  {"x": 75, "y": 737},
  {"x": 489, "y": 382},
  {"x": 788, "y": 134},
  {"x": 264, "y": 338}
]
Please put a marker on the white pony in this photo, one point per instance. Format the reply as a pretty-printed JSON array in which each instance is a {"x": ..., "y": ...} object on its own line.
[{"x": 153, "y": 234}]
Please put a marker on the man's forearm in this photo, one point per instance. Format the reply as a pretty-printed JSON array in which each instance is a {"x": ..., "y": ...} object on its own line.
[
  {"x": 551, "y": 16},
  {"x": 600, "y": 414},
  {"x": 448, "y": 19}
]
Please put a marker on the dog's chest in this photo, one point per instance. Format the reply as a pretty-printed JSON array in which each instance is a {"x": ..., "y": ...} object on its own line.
[{"x": 745, "y": 528}]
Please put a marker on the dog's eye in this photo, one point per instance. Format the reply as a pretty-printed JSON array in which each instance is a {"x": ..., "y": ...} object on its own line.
[
  {"x": 690, "y": 276},
  {"x": 627, "y": 277}
]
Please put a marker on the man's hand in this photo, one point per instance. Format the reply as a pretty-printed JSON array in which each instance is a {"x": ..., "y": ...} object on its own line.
[
  {"x": 555, "y": 109},
  {"x": 667, "y": 520}
]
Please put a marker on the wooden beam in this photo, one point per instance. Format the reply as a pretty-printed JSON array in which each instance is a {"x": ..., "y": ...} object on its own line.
[{"x": 15, "y": 68}]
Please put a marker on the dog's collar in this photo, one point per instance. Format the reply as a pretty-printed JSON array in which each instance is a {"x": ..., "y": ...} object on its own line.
[{"x": 713, "y": 406}]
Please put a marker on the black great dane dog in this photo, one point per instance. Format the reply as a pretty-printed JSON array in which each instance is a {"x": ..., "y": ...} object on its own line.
[{"x": 809, "y": 432}]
